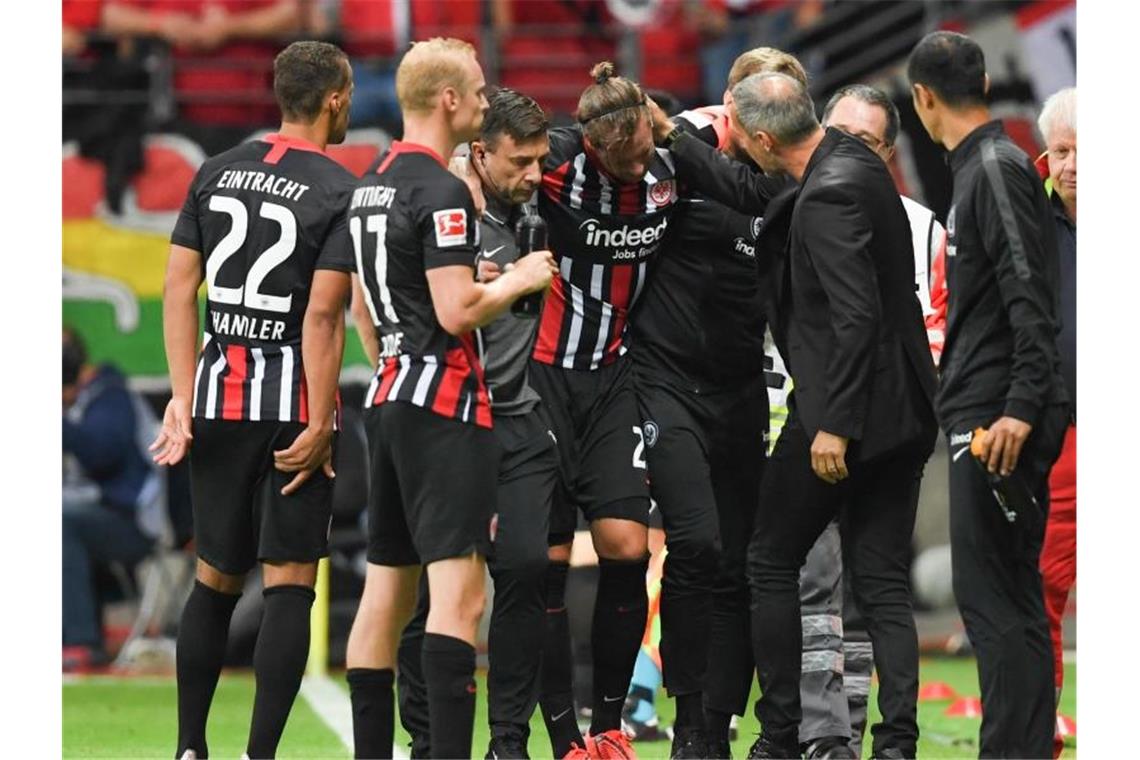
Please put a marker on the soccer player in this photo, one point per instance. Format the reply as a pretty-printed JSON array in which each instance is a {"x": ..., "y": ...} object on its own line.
[
  {"x": 506, "y": 166},
  {"x": 434, "y": 459},
  {"x": 264, "y": 225},
  {"x": 698, "y": 352},
  {"x": 607, "y": 195}
]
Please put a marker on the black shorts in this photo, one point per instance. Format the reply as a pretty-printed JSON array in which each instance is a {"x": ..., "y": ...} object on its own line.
[
  {"x": 433, "y": 491},
  {"x": 240, "y": 516},
  {"x": 528, "y": 478},
  {"x": 601, "y": 448},
  {"x": 706, "y": 451}
]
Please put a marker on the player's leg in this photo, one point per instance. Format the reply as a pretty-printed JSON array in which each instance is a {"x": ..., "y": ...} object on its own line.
[
  {"x": 826, "y": 720},
  {"x": 680, "y": 483},
  {"x": 458, "y": 596},
  {"x": 386, "y": 605},
  {"x": 292, "y": 538},
  {"x": 223, "y": 466},
  {"x": 737, "y": 432},
  {"x": 410, "y": 690},
  {"x": 389, "y": 594},
  {"x": 281, "y": 651},
  {"x": 518, "y": 563},
  {"x": 1059, "y": 553},
  {"x": 614, "y": 495},
  {"x": 448, "y": 477}
]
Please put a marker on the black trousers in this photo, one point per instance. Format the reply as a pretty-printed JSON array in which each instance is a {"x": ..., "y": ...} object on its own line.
[
  {"x": 997, "y": 583},
  {"x": 706, "y": 455},
  {"x": 876, "y": 508},
  {"x": 517, "y": 563}
]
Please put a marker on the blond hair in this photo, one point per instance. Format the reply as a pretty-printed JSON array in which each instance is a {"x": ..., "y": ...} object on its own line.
[
  {"x": 428, "y": 68},
  {"x": 766, "y": 60},
  {"x": 612, "y": 107}
]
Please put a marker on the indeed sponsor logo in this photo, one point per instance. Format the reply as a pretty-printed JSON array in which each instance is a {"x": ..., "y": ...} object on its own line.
[{"x": 598, "y": 236}]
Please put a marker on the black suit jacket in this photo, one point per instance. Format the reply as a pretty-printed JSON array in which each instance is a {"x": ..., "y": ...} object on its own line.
[{"x": 838, "y": 270}]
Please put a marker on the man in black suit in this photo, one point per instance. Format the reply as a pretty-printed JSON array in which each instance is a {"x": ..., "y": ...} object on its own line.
[{"x": 839, "y": 271}]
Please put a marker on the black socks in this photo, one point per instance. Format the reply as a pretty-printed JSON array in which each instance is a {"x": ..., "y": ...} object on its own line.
[
  {"x": 556, "y": 695},
  {"x": 202, "y": 635},
  {"x": 373, "y": 721},
  {"x": 449, "y": 674},
  {"x": 278, "y": 664},
  {"x": 618, "y": 627}
]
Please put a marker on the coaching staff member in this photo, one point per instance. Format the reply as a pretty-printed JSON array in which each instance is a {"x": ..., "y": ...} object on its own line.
[
  {"x": 861, "y": 422},
  {"x": 1000, "y": 370},
  {"x": 433, "y": 457}
]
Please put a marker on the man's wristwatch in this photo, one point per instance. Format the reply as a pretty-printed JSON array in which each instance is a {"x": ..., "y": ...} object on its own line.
[{"x": 671, "y": 138}]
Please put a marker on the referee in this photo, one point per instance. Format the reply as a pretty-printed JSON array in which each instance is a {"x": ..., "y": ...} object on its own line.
[{"x": 1001, "y": 371}]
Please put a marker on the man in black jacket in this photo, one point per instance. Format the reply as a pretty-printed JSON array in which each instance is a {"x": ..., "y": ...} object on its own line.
[
  {"x": 839, "y": 264},
  {"x": 1001, "y": 371}
]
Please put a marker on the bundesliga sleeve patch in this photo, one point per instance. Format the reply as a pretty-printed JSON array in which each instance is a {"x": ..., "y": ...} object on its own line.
[{"x": 450, "y": 227}]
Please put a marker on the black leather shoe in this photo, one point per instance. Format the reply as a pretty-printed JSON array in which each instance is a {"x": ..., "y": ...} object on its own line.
[
  {"x": 506, "y": 746},
  {"x": 689, "y": 743},
  {"x": 764, "y": 748},
  {"x": 719, "y": 750},
  {"x": 829, "y": 748},
  {"x": 890, "y": 753}
]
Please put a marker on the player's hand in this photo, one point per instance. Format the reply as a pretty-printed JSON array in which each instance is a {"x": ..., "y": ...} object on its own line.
[
  {"x": 174, "y": 439},
  {"x": 1001, "y": 445},
  {"x": 662, "y": 125},
  {"x": 309, "y": 450},
  {"x": 828, "y": 457},
  {"x": 535, "y": 270},
  {"x": 488, "y": 271}
]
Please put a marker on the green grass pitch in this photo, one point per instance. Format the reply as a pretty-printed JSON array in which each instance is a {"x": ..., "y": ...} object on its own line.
[{"x": 135, "y": 718}]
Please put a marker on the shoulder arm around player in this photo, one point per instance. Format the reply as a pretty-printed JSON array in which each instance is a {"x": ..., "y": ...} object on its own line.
[{"x": 711, "y": 172}]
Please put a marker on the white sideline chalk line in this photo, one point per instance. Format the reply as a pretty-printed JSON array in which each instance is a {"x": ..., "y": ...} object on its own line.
[{"x": 331, "y": 704}]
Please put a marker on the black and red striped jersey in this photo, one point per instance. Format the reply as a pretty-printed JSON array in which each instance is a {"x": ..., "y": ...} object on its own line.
[
  {"x": 602, "y": 234},
  {"x": 407, "y": 215},
  {"x": 264, "y": 215}
]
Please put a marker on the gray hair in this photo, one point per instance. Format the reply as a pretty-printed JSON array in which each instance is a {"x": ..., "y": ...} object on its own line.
[
  {"x": 872, "y": 96},
  {"x": 776, "y": 104},
  {"x": 1060, "y": 110}
]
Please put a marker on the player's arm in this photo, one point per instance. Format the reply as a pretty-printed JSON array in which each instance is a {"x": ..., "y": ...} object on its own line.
[
  {"x": 180, "y": 336},
  {"x": 449, "y": 233},
  {"x": 365, "y": 330},
  {"x": 322, "y": 349},
  {"x": 461, "y": 304}
]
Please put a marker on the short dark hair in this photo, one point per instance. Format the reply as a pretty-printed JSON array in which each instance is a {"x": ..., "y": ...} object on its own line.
[
  {"x": 952, "y": 65},
  {"x": 514, "y": 114},
  {"x": 74, "y": 355},
  {"x": 872, "y": 96},
  {"x": 304, "y": 74}
]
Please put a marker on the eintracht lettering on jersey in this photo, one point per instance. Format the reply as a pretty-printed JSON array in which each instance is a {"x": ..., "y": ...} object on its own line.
[{"x": 262, "y": 182}]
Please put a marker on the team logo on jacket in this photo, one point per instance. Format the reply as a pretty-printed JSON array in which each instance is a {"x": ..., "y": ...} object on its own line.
[
  {"x": 663, "y": 192},
  {"x": 651, "y": 432},
  {"x": 450, "y": 227},
  {"x": 757, "y": 224}
]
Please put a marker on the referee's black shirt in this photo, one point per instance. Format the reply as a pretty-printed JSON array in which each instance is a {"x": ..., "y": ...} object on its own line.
[{"x": 1002, "y": 279}]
